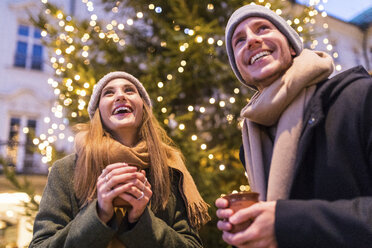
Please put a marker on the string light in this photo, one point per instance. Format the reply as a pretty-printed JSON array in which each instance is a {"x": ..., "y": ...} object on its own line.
[{"x": 58, "y": 62}]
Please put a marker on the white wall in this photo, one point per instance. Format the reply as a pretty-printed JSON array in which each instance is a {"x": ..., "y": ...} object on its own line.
[{"x": 24, "y": 93}]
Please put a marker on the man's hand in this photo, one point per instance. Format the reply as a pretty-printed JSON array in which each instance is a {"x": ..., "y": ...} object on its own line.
[{"x": 260, "y": 233}]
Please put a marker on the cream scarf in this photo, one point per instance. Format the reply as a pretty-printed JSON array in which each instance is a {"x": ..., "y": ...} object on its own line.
[{"x": 280, "y": 105}]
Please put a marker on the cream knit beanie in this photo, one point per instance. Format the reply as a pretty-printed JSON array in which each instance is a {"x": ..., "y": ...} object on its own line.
[{"x": 94, "y": 99}]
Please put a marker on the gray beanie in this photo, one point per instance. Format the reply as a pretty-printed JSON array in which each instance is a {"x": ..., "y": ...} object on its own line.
[
  {"x": 258, "y": 11},
  {"x": 94, "y": 99}
]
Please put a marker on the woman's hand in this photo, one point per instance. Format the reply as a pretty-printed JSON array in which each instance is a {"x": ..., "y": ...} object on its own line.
[{"x": 122, "y": 180}]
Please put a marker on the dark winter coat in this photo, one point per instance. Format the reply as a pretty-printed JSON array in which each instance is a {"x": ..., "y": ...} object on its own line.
[
  {"x": 60, "y": 222},
  {"x": 330, "y": 203}
]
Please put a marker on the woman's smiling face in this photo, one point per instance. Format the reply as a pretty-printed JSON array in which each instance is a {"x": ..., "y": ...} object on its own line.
[{"x": 121, "y": 107}]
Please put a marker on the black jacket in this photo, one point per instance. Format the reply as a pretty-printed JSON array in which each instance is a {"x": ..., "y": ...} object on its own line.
[{"x": 331, "y": 197}]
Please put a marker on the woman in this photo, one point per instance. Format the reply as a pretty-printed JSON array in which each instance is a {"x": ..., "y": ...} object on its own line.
[{"x": 130, "y": 186}]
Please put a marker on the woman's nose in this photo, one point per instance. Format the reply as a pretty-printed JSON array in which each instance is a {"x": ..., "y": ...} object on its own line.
[{"x": 120, "y": 96}]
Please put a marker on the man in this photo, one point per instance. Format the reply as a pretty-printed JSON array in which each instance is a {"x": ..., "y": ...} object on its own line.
[{"x": 307, "y": 140}]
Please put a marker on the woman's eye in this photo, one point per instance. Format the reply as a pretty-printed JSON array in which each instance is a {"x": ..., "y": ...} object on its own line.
[
  {"x": 130, "y": 89},
  {"x": 107, "y": 92}
]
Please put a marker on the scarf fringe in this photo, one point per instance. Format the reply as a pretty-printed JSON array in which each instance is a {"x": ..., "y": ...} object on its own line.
[{"x": 198, "y": 214}]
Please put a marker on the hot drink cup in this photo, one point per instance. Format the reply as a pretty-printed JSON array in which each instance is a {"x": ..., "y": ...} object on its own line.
[
  {"x": 238, "y": 201},
  {"x": 119, "y": 202}
]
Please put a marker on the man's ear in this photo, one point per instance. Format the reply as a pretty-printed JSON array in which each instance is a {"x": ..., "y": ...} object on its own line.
[{"x": 292, "y": 51}]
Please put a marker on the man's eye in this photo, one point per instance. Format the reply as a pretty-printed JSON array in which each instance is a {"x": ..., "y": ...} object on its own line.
[
  {"x": 263, "y": 28},
  {"x": 239, "y": 40}
]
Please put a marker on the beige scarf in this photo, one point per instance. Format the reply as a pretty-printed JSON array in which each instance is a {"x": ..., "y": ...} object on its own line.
[
  {"x": 197, "y": 209},
  {"x": 282, "y": 105}
]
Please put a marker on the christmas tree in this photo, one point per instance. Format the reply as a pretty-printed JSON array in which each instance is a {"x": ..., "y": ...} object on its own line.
[{"x": 176, "y": 49}]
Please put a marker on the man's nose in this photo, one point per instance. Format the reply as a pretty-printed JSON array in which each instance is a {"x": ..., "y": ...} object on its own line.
[{"x": 253, "y": 39}]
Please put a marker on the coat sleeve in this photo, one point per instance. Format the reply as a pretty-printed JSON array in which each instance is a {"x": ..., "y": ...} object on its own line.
[
  {"x": 319, "y": 223},
  {"x": 169, "y": 228},
  {"x": 55, "y": 224}
]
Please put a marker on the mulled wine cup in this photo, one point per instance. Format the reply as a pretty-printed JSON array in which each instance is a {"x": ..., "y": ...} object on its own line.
[
  {"x": 119, "y": 202},
  {"x": 238, "y": 201}
]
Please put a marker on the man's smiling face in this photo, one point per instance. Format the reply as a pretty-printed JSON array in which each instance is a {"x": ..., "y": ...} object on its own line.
[{"x": 262, "y": 53}]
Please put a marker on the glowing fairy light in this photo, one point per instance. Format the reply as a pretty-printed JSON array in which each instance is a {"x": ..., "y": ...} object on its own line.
[
  {"x": 59, "y": 15},
  {"x": 194, "y": 137},
  {"x": 121, "y": 26},
  {"x": 130, "y": 22},
  {"x": 158, "y": 10},
  {"x": 36, "y": 141}
]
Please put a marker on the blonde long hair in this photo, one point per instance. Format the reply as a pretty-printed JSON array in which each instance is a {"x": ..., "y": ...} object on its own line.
[{"x": 92, "y": 152}]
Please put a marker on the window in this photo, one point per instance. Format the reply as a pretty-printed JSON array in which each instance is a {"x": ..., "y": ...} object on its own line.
[
  {"x": 13, "y": 141},
  {"x": 21, "y": 150},
  {"x": 29, "y": 51},
  {"x": 30, "y": 148}
]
